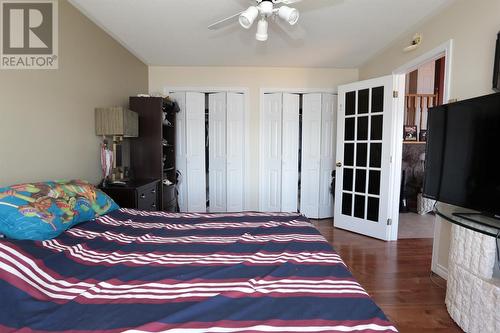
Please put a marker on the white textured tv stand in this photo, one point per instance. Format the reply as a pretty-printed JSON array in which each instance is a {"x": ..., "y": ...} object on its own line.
[{"x": 473, "y": 293}]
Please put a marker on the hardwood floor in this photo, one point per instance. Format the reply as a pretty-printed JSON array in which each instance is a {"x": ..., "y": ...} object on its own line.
[{"x": 397, "y": 276}]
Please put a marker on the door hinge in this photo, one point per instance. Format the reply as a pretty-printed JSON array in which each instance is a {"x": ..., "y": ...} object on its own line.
[
  {"x": 389, "y": 221},
  {"x": 395, "y": 94}
]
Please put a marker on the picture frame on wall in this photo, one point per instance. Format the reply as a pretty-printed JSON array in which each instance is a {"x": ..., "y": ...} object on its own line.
[
  {"x": 422, "y": 136},
  {"x": 410, "y": 133}
]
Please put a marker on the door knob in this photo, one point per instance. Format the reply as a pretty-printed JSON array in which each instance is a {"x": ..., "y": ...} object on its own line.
[{"x": 339, "y": 164}]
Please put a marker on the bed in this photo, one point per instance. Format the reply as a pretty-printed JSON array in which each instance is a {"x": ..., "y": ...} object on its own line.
[{"x": 139, "y": 271}]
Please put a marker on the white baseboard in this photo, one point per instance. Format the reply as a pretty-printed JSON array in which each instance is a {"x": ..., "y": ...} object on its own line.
[{"x": 440, "y": 270}]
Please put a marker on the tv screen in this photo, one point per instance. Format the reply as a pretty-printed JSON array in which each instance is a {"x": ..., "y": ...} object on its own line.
[
  {"x": 496, "y": 69},
  {"x": 463, "y": 154}
]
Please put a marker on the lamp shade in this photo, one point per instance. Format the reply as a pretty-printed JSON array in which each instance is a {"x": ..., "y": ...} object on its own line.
[
  {"x": 116, "y": 121},
  {"x": 291, "y": 15},
  {"x": 262, "y": 30},
  {"x": 248, "y": 16}
]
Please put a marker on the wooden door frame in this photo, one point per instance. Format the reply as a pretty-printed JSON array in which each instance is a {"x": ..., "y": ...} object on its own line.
[
  {"x": 267, "y": 90},
  {"x": 167, "y": 90},
  {"x": 446, "y": 50}
]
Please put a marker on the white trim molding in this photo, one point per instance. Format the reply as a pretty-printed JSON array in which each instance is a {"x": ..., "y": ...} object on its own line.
[
  {"x": 446, "y": 50},
  {"x": 436, "y": 267}
]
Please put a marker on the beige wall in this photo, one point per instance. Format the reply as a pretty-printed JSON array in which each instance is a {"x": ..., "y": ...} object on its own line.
[
  {"x": 473, "y": 26},
  {"x": 253, "y": 79},
  {"x": 47, "y": 116}
]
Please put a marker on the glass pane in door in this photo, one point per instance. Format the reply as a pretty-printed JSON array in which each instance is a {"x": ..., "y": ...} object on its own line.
[
  {"x": 360, "y": 181},
  {"x": 350, "y": 103},
  {"x": 346, "y": 204},
  {"x": 348, "y": 179},
  {"x": 350, "y": 129},
  {"x": 362, "y": 128},
  {"x": 363, "y": 101}
]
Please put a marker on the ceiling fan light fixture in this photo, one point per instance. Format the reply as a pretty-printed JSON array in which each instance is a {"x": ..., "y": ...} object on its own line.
[
  {"x": 291, "y": 15},
  {"x": 266, "y": 8},
  {"x": 247, "y": 18},
  {"x": 262, "y": 30}
]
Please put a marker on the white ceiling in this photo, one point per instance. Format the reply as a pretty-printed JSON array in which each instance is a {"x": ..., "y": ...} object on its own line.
[{"x": 330, "y": 33}]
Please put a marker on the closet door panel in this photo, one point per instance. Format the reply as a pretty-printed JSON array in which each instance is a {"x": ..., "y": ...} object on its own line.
[
  {"x": 328, "y": 148},
  {"x": 195, "y": 148},
  {"x": 235, "y": 151},
  {"x": 290, "y": 153},
  {"x": 270, "y": 186},
  {"x": 217, "y": 152},
  {"x": 311, "y": 153},
  {"x": 180, "y": 150}
]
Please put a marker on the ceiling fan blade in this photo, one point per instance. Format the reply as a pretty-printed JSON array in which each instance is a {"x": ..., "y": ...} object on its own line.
[
  {"x": 215, "y": 25},
  {"x": 289, "y": 2}
]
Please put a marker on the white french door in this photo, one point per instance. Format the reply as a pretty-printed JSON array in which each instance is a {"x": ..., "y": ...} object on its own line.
[{"x": 365, "y": 172}]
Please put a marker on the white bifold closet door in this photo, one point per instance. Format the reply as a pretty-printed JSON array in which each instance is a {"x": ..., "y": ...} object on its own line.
[
  {"x": 270, "y": 180},
  {"x": 311, "y": 155},
  {"x": 217, "y": 152},
  {"x": 235, "y": 152},
  {"x": 190, "y": 151},
  {"x": 327, "y": 154},
  {"x": 318, "y": 154},
  {"x": 180, "y": 150},
  {"x": 290, "y": 153},
  {"x": 195, "y": 152},
  {"x": 226, "y": 153},
  {"x": 280, "y": 132},
  {"x": 280, "y": 148}
]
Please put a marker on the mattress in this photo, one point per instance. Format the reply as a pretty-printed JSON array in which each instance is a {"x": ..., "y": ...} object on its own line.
[{"x": 139, "y": 271}]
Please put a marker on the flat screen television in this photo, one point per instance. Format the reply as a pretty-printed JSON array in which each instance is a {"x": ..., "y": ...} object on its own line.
[
  {"x": 496, "y": 69},
  {"x": 463, "y": 154}
]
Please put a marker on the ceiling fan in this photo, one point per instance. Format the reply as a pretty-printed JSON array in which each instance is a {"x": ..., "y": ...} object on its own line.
[{"x": 266, "y": 9}]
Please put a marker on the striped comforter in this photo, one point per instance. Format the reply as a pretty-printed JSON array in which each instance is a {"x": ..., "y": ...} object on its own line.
[{"x": 161, "y": 272}]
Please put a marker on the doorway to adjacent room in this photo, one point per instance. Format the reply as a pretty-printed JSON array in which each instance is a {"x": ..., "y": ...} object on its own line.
[{"x": 424, "y": 90}]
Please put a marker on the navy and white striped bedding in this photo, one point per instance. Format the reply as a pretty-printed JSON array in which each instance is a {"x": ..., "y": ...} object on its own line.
[{"x": 161, "y": 272}]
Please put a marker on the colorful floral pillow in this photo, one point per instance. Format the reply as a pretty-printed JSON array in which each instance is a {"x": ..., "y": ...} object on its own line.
[{"x": 42, "y": 211}]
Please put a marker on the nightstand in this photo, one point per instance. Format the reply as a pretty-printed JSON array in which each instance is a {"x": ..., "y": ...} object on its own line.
[
  {"x": 138, "y": 194},
  {"x": 169, "y": 198}
]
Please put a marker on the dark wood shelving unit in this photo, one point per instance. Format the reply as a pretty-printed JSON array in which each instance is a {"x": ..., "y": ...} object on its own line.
[
  {"x": 153, "y": 152},
  {"x": 414, "y": 142}
]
